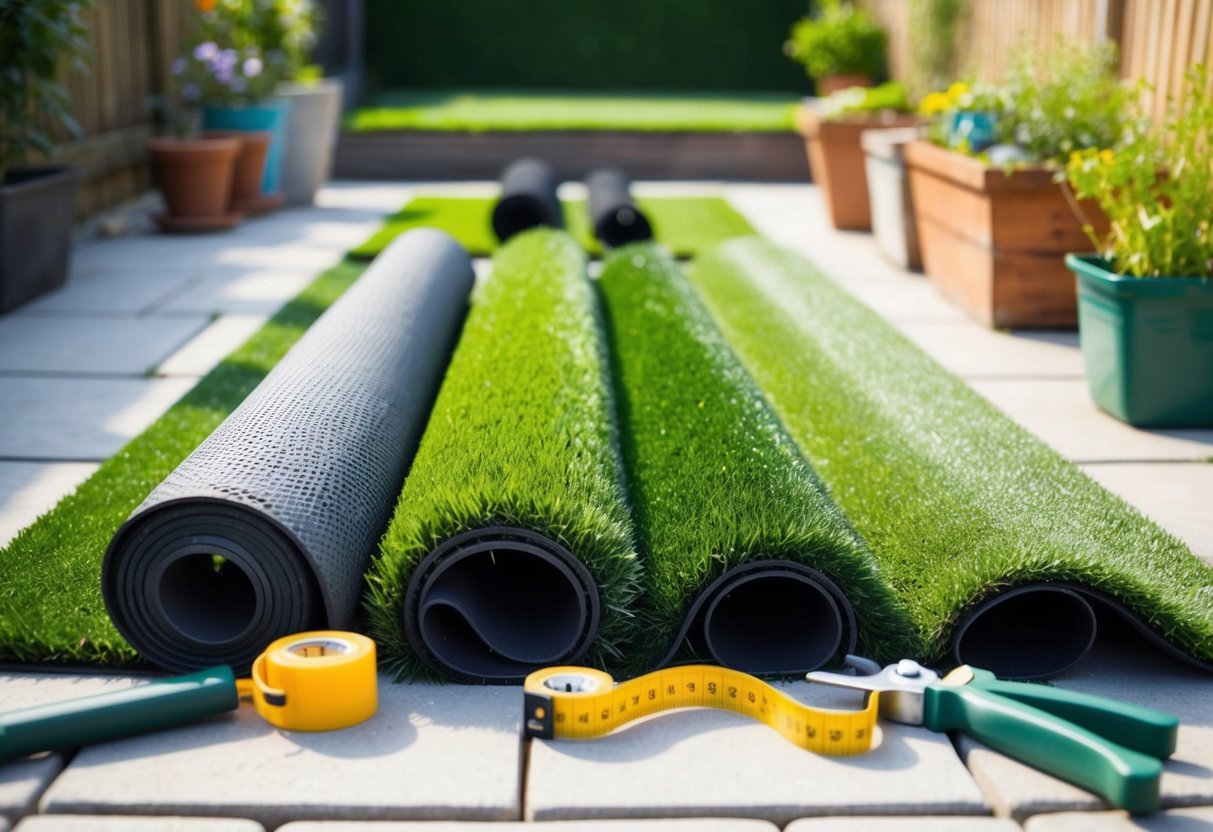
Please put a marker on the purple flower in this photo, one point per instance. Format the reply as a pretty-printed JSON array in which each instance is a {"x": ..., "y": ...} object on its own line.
[
  {"x": 207, "y": 51},
  {"x": 191, "y": 92},
  {"x": 223, "y": 75},
  {"x": 179, "y": 66},
  {"x": 252, "y": 67},
  {"x": 228, "y": 58}
]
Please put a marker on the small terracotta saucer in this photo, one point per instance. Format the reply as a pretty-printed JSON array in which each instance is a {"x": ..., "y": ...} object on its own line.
[
  {"x": 259, "y": 204},
  {"x": 220, "y": 223}
]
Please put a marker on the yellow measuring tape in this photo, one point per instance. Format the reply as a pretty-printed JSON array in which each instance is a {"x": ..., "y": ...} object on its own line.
[
  {"x": 582, "y": 703},
  {"x": 316, "y": 681}
]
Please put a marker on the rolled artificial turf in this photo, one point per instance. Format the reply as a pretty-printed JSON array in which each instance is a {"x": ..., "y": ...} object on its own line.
[
  {"x": 267, "y": 527},
  {"x": 528, "y": 199},
  {"x": 748, "y": 562},
  {"x": 999, "y": 548},
  {"x": 511, "y": 545},
  {"x": 614, "y": 214},
  {"x": 686, "y": 225},
  {"x": 52, "y": 609}
]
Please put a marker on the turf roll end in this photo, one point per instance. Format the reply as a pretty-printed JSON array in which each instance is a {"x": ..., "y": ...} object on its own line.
[
  {"x": 528, "y": 199},
  {"x": 1027, "y": 632},
  {"x": 492, "y": 604},
  {"x": 616, "y": 218}
]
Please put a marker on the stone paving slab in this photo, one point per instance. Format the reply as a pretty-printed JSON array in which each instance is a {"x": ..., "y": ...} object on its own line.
[
  {"x": 1126, "y": 670},
  {"x": 110, "y": 346},
  {"x": 431, "y": 752},
  {"x": 709, "y": 763},
  {"x": 927, "y": 824},
  {"x": 910, "y": 299},
  {"x": 29, "y": 489},
  {"x": 1060, "y": 412},
  {"x": 1177, "y": 496},
  {"x": 662, "y": 825},
  {"x": 974, "y": 352},
  {"x": 98, "y": 823},
  {"x": 1177, "y": 820},
  {"x": 247, "y": 291},
  {"x": 22, "y": 782},
  {"x": 80, "y": 419},
  {"x": 212, "y": 345},
  {"x": 125, "y": 291}
]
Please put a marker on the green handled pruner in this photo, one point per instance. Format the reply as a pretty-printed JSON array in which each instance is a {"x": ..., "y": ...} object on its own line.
[{"x": 1112, "y": 748}]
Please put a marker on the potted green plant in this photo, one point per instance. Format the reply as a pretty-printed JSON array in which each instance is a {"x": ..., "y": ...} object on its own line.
[
  {"x": 833, "y": 129},
  {"x": 1145, "y": 298},
  {"x": 37, "y": 204},
  {"x": 992, "y": 223},
  {"x": 840, "y": 46}
]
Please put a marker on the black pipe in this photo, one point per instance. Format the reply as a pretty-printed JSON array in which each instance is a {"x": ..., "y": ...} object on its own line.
[
  {"x": 616, "y": 218},
  {"x": 528, "y": 199}
]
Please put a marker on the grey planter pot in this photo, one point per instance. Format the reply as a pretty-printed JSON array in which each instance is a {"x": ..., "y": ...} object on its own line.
[
  {"x": 311, "y": 136},
  {"x": 889, "y": 191},
  {"x": 37, "y": 212}
]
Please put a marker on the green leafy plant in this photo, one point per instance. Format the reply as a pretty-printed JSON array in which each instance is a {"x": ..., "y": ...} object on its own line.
[
  {"x": 1154, "y": 188},
  {"x": 839, "y": 40},
  {"x": 282, "y": 31},
  {"x": 1063, "y": 98},
  {"x": 890, "y": 96},
  {"x": 36, "y": 38}
]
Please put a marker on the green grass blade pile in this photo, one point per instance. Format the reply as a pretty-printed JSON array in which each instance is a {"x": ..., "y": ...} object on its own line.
[
  {"x": 50, "y": 588},
  {"x": 955, "y": 499},
  {"x": 714, "y": 478},
  {"x": 687, "y": 225},
  {"x": 479, "y": 110},
  {"x": 521, "y": 435}
]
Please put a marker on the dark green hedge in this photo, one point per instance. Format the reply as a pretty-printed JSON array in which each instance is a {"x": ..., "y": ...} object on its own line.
[{"x": 594, "y": 44}]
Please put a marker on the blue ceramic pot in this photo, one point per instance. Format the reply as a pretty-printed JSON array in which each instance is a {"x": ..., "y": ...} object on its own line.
[
  {"x": 268, "y": 115},
  {"x": 977, "y": 127}
]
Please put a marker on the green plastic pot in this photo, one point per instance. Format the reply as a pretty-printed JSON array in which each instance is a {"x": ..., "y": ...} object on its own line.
[{"x": 1147, "y": 344}]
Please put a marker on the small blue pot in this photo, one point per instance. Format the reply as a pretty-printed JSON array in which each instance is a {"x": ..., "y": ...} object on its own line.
[
  {"x": 977, "y": 127},
  {"x": 268, "y": 115}
]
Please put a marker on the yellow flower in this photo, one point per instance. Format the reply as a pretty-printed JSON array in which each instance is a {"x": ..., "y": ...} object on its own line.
[
  {"x": 1107, "y": 156},
  {"x": 957, "y": 89},
  {"x": 933, "y": 103}
]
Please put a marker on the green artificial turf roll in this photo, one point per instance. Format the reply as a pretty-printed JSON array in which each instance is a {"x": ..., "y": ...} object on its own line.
[
  {"x": 959, "y": 504},
  {"x": 511, "y": 545},
  {"x": 748, "y": 562}
]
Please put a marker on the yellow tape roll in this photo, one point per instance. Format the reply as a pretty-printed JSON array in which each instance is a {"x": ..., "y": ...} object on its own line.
[
  {"x": 582, "y": 703},
  {"x": 316, "y": 681}
]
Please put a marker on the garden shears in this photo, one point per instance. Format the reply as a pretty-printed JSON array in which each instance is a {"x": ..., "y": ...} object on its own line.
[{"x": 1109, "y": 747}]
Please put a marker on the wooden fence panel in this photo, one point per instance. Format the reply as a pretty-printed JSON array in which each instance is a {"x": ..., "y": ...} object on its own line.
[{"x": 1163, "y": 39}]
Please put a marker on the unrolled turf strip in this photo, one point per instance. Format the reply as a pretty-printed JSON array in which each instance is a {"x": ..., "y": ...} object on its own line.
[
  {"x": 957, "y": 502},
  {"x": 51, "y": 608},
  {"x": 517, "y": 481},
  {"x": 686, "y": 225},
  {"x": 719, "y": 489}
]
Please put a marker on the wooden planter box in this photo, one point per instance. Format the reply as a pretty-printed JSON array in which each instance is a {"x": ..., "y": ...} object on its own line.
[
  {"x": 995, "y": 242},
  {"x": 836, "y": 160}
]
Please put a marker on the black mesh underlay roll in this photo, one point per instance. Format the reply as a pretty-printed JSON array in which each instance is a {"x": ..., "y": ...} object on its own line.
[
  {"x": 616, "y": 218},
  {"x": 267, "y": 528},
  {"x": 528, "y": 199}
]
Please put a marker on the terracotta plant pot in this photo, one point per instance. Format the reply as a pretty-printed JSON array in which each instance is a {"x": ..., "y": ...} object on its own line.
[
  {"x": 995, "y": 241},
  {"x": 833, "y": 83},
  {"x": 195, "y": 176},
  {"x": 249, "y": 171},
  {"x": 836, "y": 160}
]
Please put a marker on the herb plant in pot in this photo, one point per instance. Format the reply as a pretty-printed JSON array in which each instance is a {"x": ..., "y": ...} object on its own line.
[
  {"x": 37, "y": 204},
  {"x": 1145, "y": 299},
  {"x": 841, "y": 46}
]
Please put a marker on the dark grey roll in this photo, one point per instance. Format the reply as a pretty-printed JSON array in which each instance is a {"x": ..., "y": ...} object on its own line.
[
  {"x": 268, "y": 526},
  {"x": 616, "y": 218},
  {"x": 528, "y": 199}
]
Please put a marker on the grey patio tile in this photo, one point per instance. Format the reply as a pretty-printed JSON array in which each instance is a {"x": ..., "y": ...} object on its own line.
[
  {"x": 115, "y": 291},
  {"x": 244, "y": 290},
  {"x": 1177, "y": 820},
  {"x": 906, "y": 298},
  {"x": 91, "y": 345},
  {"x": 98, "y": 823},
  {"x": 431, "y": 752},
  {"x": 212, "y": 345},
  {"x": 974, "y": 352},
  {"x": 29, "y": 489},
  {"x": 712, "y": 763},
  {"x": 22, "y": 782},
  {"x": 80, "y": 419},
  {"x": 1174, "y": 495},
  {"x": 1061, "y": 413},
  {"x": 925, "y": 824},
  {"x": 1130, "y": 670},
  {"x": 663, "y": 825}
]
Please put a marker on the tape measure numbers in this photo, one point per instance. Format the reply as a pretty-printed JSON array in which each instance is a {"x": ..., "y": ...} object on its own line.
[
  {"x": 315, "y": 681},
  {"x": 582, "y": 703}
]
